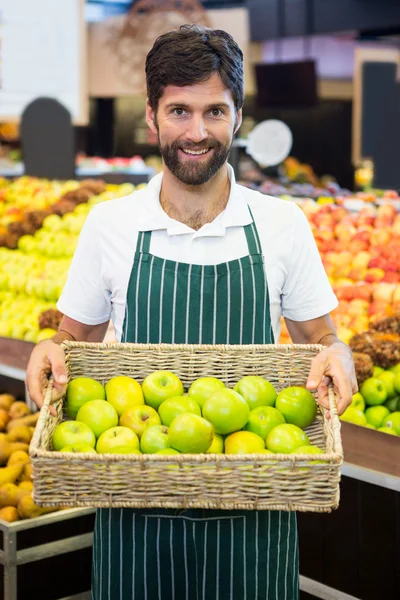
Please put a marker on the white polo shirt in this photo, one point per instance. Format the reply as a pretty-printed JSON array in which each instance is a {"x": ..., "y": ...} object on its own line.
[{"x": 98, "y": 278}]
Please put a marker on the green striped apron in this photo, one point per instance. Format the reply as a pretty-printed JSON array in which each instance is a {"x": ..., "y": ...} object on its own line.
[{"x": 196, "y": 554}]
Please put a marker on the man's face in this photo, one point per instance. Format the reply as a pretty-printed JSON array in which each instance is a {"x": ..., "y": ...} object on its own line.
[{"x": 195, "y": 126}]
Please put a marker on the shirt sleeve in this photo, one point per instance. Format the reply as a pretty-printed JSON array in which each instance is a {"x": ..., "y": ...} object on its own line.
[
  {"x": 307, "y": 293},
  {"x": 84, "y": 297}
]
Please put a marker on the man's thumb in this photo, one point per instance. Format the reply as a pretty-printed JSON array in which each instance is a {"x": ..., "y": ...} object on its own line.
[{"x": 59, "y": 374}]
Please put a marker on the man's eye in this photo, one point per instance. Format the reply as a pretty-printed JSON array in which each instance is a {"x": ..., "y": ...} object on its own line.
[
  {"x": 178, "y": 112},
  {"x": 216, "y": 112}
]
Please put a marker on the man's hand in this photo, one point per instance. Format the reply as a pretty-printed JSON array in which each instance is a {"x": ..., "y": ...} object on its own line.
[
  {"x": 47, "y": 357},
  {"x": 334, "y": 365}
]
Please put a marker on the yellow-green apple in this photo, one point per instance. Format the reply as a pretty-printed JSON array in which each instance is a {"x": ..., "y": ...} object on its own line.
[
  {"x": 81, "y": 390},
  {"x": 297, "y": 405},
  {"x": 393, "y": 421},
  {"x": 285, "y": 438},
  {"x": 263, "y": 419},
  {"x": 79, "y": 447},
  {"x": 217, "y": 446},
  {"x": 138, "y": 418},
  {"x": 116, "y": 436},
  {"x": 154, "y": 438},
  {"x": 256, "y": 390},
  {"x": 160, "y": 386},
  {"x": 226, "y": 410},
  {"x": 71, "y": 433},
  {"x": 358, "y": 401},
  {"x": 190, "y": 434},
  {"x": 388, "y": 430},
  {"x": 204, "y": 387},
  {"x": 167, "y": 451},
  {"x": 128, "y": 449},
  {"x": 374, "y": 391},
  {"x": 375, "y": 415},
  {"x": 171, "y": 408},
  {"x": 388, "y": 378},
  {"x": 393, "y": 404},
  {"x": 354, "y": 415},
  {"x": 99, "y": 415},
  {"x": 244, "y": 442},
  {"x": 123, "y": 393}
]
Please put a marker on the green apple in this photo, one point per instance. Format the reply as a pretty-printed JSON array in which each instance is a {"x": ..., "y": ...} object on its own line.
[
  {"x": 388, "y": 430},
  {"x": 256, "y": 390},
  {"x": 387, "y": 377},
  {"x": 374, "y": 391},
  {"x": 377, "y": 371},
  {"x": 79, "y": 447},
  {"x": 70, "y": 433},
  {"x": 393, "y": 421},
  {"x": 154, "y": 438},
  {"x": 217, "y": 446},
  {"x": 190, "y": 434},
  {"x": 308, "y": 450},
  {"x": 138, "y": 418},
  {"x": 81, "y": 390},
  {"x": 285, "y": 438},
  {"x": 204, "y": 387},
  {"x": 160, "y": 386},
  {"x": 395, "y": 369},
  {"x": 263, "y": 419},
  {"x": 396, "y": 383},
  {"x": 171, "y": 408},
  {"x": 375, "y": 415},
  {"x": 167, "y": 451},
  {"x": 128, "y": 449},
  {"x": 226, "y": 410},
  {"x": 369, "y": 426},
  {"x": 297, "y": 405},
  {"x": 354, "y": 415},
  {"x": 358, "y": 401},
  {"x": 393, "y": 404},
  {"x": 99, "y": 415},
  {"x": 123, "y": 393},
  {"x": 116, "y": 436}
]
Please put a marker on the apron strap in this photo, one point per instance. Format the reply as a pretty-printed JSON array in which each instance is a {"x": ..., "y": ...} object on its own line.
[
  {"x": 253, "y": 240},
  {"x": 143, "y": 242}
]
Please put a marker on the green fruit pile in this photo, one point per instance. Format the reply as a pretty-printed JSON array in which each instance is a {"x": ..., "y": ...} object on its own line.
[
  {"x": 377, "y": 404},
  {"x": 124, "y": 417}
]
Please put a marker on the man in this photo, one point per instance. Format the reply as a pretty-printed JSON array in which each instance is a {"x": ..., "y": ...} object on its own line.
[{"x": 195, "y": 258}]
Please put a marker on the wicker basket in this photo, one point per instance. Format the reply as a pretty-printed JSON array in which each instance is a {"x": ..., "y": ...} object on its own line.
[{"x": 263, "y": 481}]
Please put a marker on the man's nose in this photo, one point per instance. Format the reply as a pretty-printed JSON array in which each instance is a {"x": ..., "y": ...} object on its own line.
[{"x": 197, "y": 131}]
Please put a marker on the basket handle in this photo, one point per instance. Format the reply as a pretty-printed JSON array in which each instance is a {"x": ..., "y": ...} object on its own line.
[
  {"x": 41, "y": 422},
  {"x": 335, "y": 423}
]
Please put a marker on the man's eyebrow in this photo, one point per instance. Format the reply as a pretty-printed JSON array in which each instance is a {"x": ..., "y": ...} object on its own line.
[{"x": 208, "y": 107}]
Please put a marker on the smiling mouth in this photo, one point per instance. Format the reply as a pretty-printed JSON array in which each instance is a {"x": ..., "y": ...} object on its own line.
[{"x": 195, "y": 152}]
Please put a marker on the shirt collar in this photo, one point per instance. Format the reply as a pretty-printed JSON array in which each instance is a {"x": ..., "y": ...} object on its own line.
[{"x": 152, "y": 217}]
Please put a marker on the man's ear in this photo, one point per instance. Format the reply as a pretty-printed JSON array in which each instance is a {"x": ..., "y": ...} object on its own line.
[
  {"x": 239, "y": 118},
  {"x": 151, "y": 117}
]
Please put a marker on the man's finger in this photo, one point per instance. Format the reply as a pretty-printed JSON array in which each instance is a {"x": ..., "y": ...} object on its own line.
[
  {"x": 317, "y": 371},
  {"x": 323, "y": 398}
]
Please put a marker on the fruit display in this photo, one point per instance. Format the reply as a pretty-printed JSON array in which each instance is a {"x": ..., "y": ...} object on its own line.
[
  {"x": 159, "y": 417},
  {"x": 361, "y": 255},
  {"x": 17, "y": 425},
  {"x": 33, "y": 275}
]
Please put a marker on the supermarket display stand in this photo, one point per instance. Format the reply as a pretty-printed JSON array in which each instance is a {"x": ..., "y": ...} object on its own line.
[
  {"x": 343, "y": 554},
  {"x": 15, "y": 553}
]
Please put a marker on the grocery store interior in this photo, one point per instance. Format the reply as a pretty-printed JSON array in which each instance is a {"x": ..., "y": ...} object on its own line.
[{"x": 321, "y": 128}]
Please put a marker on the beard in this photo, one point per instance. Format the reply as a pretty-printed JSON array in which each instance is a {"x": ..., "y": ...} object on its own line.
[{"x": 195, "y": 172}]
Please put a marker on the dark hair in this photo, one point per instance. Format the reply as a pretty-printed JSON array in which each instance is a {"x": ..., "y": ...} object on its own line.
[{"x": 191, "y": 55}]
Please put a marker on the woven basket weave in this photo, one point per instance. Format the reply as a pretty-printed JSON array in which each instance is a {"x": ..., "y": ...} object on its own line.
[{"x": 262, "y": 481}]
